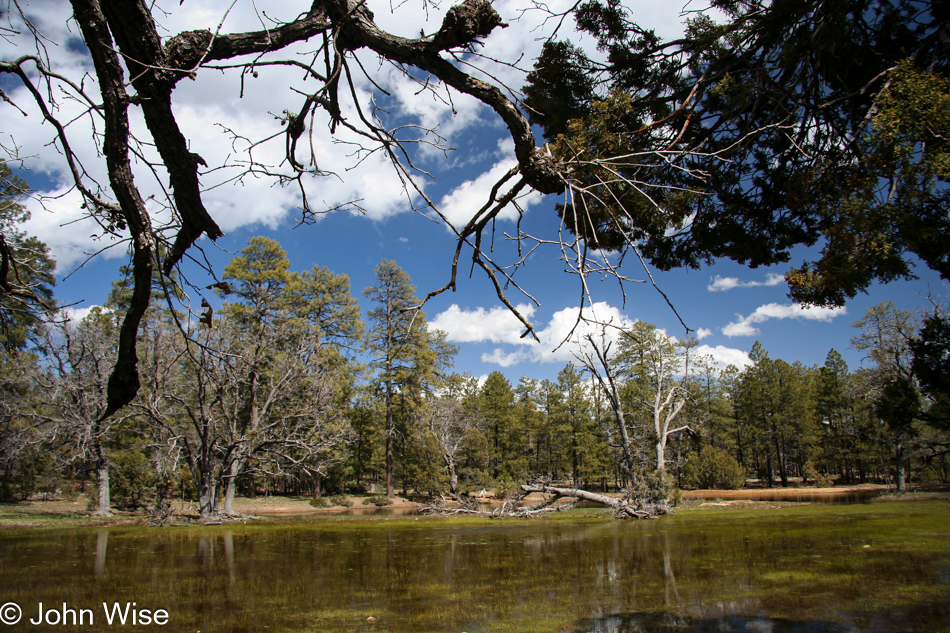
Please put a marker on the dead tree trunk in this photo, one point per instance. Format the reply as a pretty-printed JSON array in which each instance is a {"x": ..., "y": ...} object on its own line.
[{"x": 621, "y": 507}]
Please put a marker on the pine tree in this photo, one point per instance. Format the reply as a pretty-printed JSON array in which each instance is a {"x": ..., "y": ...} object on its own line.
[
  {"x": 399, "y": 343},
  {"x": 26, "y": 268}
]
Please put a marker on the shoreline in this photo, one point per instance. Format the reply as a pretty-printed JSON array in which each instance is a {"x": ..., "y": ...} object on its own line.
[{"x": 59, "y": 513}]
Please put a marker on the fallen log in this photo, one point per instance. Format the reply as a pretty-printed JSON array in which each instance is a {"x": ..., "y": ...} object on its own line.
[{"x": 621, "y": 507}]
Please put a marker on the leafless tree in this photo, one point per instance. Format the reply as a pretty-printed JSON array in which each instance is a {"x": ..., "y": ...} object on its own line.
[
  {"x": 195, "y": 397},
  {"x": 598, "y": 359},
  {"x": 134, "y": 69},
  {"x": 646, "y": 377},
  {"x": 449, "y": 423},
  {"x": 72, "y": 393}
]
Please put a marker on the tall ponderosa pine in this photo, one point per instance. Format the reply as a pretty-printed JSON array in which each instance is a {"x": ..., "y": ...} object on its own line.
[
  {"x": 503, "y": 426},
  {"x": 399, "y": 341}
]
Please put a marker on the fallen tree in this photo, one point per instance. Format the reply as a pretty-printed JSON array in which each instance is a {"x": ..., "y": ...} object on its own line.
[
  {"x": 648, "y": 499},
  {"x": 631, "y": 505}
]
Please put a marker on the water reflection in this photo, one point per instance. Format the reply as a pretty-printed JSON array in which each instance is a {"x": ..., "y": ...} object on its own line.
[
  {"x": 102, "y": 545},
  {"x": 806, "y": 570},
  {"x": 790, "y": 495},
  {"x": 643, "y": 622}
]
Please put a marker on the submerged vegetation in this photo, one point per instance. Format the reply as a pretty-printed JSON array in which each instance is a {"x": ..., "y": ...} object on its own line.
[{"x": 843, "y": 566}]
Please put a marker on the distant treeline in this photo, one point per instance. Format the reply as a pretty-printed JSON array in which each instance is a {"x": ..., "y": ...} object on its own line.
[{"x": 285, "y": 389}]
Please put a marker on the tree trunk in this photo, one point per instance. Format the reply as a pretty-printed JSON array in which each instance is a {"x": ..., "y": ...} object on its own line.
[
  {"x": 102, "y": 474},
  {"x": 660, "y": 454},
  {"x": 618, "y": 505},
  {"x": 207, "y": 494},
  {"x": 899, "y": 465},
  {"x": 230, "y": 487},
  {"x": 453, "y": 476},
  {"x": 102, "y": 477},
  {"x": 390, "y": 431},
  {"x": 317, "y": 484}
]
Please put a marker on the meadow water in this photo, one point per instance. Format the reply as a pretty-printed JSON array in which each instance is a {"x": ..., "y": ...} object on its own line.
[{"x": 882, "y": 567}]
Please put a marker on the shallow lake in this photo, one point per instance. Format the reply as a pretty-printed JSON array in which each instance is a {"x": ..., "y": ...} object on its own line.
[{"x": 880, "y": 567}]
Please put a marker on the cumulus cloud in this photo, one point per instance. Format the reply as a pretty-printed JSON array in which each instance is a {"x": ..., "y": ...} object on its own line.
[
  {"x": 703, "y": 332},
  {"x": 461, "y": 204},
  {"x": 724, "y": 356},
  {"x": 745, "y": 326},
  {"x": 75, "y": 315},
  {"x": 721, "y": 284},
  {"x": 219, "y": 102},
  {"x": 497, "y": 325}
]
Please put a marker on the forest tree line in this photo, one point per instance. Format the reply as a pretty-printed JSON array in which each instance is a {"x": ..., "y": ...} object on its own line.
[{"x": 286, "y": 389}]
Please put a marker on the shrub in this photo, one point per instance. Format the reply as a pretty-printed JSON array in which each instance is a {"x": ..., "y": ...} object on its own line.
[
  {"x": 377, "y": 500},
  {"x": 819, "y": 479},
  {"x": 652, "y": 493},
  {"x": 713, "y": 468},
  {"x": 131, "y": 479},
  {"x": 655, "y": 488},
  {"x": 331, "y": 502},
  {"x": 341, "y": 501}
]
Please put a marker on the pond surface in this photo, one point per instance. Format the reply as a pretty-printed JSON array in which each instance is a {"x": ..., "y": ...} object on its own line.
[
  {"x": 880, "y": 567},
  {"x": 794, "y": 495}
]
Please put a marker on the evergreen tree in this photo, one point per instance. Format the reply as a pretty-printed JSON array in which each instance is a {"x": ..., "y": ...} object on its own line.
[
  {"x": 784, "y": 123},
  {"x": 834, "y": 408},
  {"x": 775, "y": 398},
  {"x": 26, "y": 268},
  {"x": 400, "y": 344},
  {"x": 584, "y": 447},
  {"x": 496, "y": 406}
]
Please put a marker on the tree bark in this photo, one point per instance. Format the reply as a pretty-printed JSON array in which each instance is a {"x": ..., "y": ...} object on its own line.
[
  {"x": 390, "y": 431},
  {"x": 104, "y": 508},
  {"x": 899, "y": 465},
  {"x": 230, "y": 487},
  {"x": 102, "y": 477},
  {"x": 618, "y": 505}
]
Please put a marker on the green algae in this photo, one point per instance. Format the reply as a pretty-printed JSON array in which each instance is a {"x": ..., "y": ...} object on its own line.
[{"x": 838, "y": 566}]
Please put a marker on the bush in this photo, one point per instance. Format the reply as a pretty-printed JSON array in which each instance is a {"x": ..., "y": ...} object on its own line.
[
  {"x": 341, "y": 501},
  {"x": 131, "y": 479},
  {"x": 378, "y": 500},
  {"x": 652, "y": 493},
  {"x": 819, "y": 479},
  {"x": 332, "y": 502},
  {"x": 713, "y": 468},
  {"x": 655, "y": 488}
]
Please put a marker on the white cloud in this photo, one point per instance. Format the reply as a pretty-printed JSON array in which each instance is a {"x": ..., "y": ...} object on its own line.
[
  {"x": 497, "y": 325},
  {"x": 499, "y": 357},
  {"x": 219, "y": 101},
  {"x": 724, "y": 356},
  {"x": 463, "y": 202},
  {"x": 722, "y": 284},
  {"x": 75, "y": 315},
  {"x": 703, "y": 332},
  {"x": 745, "y": 326}
]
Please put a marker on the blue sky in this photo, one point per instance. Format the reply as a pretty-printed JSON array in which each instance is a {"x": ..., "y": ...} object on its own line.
[{"x": 730, "y": 306}]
